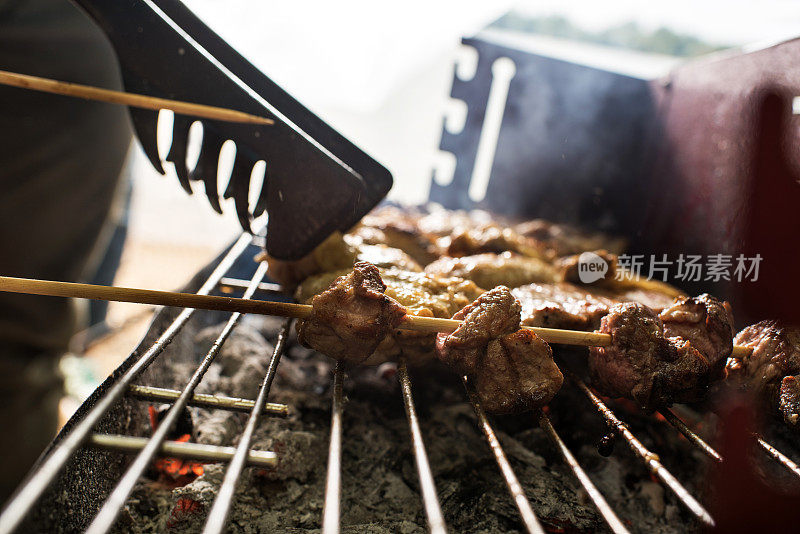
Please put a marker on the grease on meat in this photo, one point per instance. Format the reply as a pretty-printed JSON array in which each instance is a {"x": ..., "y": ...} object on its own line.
[
  {"x": 420, "y": 294},
  {"x": 352, "y": 317},
  {"x": 656, "y": 364},
  {"x": 490, "y": 270},
  {"x": 512, "y": 369},
  {"x": 772, "y": 370}
]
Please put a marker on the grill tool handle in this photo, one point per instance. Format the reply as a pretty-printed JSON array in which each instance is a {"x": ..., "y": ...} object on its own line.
[{"x": 316, "y": 181}]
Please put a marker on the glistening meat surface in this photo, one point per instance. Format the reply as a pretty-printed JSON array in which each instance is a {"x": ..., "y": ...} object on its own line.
[
  {"x": 352, "y": 317},
  {"x": 655, "y": 369},
  {"x": 772, "y": 370},
  {"x": 512, "y": 369},
  {"x": 490, "y": 270},
  {"x": 561, "y": 306}
]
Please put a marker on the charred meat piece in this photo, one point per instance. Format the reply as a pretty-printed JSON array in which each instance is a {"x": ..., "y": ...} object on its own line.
[
  {"x": 564, "y": 240},
  {"x": 490, "y": 270},
  {"x": 421, "y": 294},
  {"x": 512, "y": 369},
  {"x": 561, "y": 306},
  {"x": 338, "y": 252},
  {"x": 643, "y": 364},
  {"x": 492, "y": 315},
  {"x": 564, "y": 305},
  {"x": 398, "y": 228},
  {"x": 491, "y": 237},
  {"x": 616, "y": 282},
  {"x": 706, "y": 323},
  {"x": 772, "y": 369},
  {"x": 352, "y": 317},
  {"x": 575, "y": 269}
]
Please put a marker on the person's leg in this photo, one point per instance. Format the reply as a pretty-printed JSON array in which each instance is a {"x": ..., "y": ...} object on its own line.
[
  {"x": 60, "y": 159},
  {"x": 30, "y": 390}
]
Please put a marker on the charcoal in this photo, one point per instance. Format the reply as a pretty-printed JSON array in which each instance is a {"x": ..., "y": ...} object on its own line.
[{"x": 380, "y": 487}]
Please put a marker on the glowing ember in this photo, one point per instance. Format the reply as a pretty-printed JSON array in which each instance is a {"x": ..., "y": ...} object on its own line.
[
  {"x": 174, "y": 472},
  {"x": 183, "y": 510}
]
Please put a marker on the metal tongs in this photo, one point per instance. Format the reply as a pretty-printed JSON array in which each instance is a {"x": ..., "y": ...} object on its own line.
[{"x": 316, "y": 181}]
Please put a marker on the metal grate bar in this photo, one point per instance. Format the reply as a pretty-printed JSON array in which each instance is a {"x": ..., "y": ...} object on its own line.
[
  {"x": 236, "y": 283},
  {"x": 333, "y": 484},
  {"x": 771, "y": 451},
  {"x": 689, "y": 434},
  {"x": 107, "y": 515},
  {"x": 178, "y": 449},
  {"x": 222, "y": 504},
  {"x": 597, "y": 498},
  {"x": 650, "y": 458},
  {"x": 778, "y": 456},
  {"x": 19, "y": 506},
  {"x": 427, "y": 486},
  {"x": 202, "y": 400},
  {"x": 532, "y": 525}
]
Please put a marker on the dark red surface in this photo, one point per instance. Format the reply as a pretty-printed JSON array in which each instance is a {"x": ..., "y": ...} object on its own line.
[
  {"x": 742, "y": 501},
  {"x": 725, "y": 180}
]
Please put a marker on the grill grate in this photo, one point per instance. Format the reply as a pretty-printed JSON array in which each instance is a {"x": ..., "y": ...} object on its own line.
[
  {"x": 83, "y": 433},
  {"x": 427, "y": 486},
  {"x": 651, "y": 459},
  {"x": 333, "y": 483},
  {"x": 222, "y": 504}
]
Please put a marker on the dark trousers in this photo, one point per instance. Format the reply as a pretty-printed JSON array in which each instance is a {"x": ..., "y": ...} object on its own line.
[{"x": 60, "y": 162}]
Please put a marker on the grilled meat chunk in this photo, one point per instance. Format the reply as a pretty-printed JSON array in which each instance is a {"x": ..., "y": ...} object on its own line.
[
  {"x": 570, "y": 267},
  {"x": 561, "y": 306},
  {"x": 338, "y": 252},
  {"x": 772, "y": 369},
  {"x": 490, "y": 316},
  {"x": 564, "y": 305},
  {"x": 616, "y": 283},
  {"x": 645, "y": 365},
  {"x": 706, "y": 323},
  {"x": 490, "y": 270},
  {"x": 512, "y": 369},
  {"x": 420, "y": 294},
  {"x": 564, "y": 240},
  {"x": 352, "y": 317},
  {"x": 491, "y": 237},
  {"x": 398, "y": 228}
]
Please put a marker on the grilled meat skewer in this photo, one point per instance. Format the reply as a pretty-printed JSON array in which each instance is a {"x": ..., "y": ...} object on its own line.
[
  {"x": 772, "y": 370},
  {"x": 418, "y": 293},
  {"x": 658, "y": 359},
  {"x": 356, "y": 321},
  {"x": 512, "y": 369}
]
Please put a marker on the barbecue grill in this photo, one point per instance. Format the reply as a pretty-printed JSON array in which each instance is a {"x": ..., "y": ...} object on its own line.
[{"x": 86, "y": 476}]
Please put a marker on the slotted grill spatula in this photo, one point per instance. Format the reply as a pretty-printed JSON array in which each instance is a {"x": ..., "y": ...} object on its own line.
[{"x": 316, "y": 181}]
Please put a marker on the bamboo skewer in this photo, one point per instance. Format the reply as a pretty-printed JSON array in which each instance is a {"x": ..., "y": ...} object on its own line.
[
  {"x": 88, "y": 92},
  {"x": 263, "y": 307}
]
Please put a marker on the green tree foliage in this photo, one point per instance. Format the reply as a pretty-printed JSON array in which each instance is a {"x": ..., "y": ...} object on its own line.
[{"x": 628, "y": 35}]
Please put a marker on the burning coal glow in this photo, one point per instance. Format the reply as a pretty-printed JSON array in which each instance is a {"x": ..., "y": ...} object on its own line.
[{"x": 173, "y": 472}]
